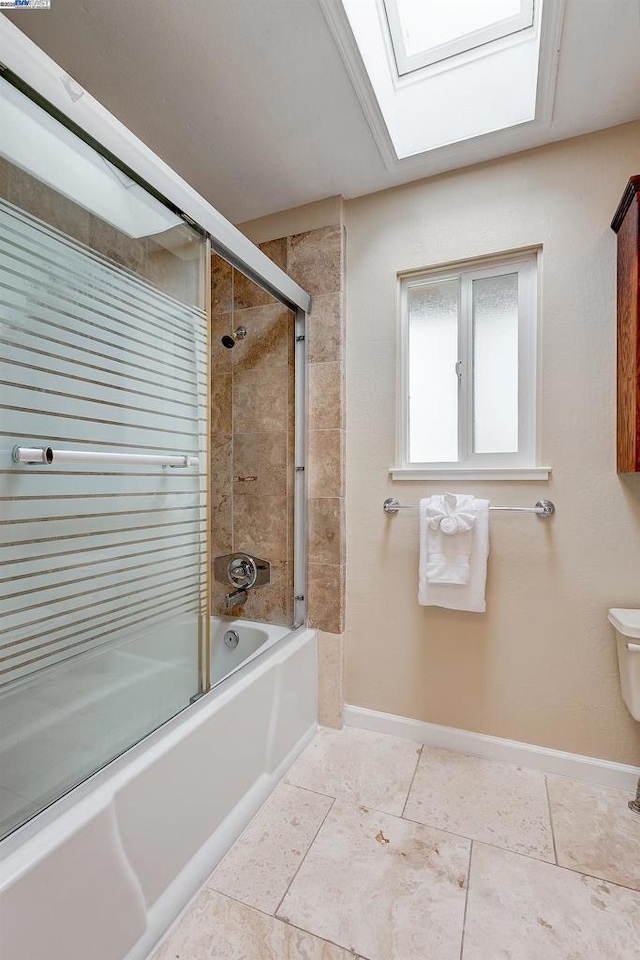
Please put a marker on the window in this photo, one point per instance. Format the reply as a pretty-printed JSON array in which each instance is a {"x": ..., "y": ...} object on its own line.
[
  {"x": 467, "y": 385},
  {"x": 426, "y": 31}
]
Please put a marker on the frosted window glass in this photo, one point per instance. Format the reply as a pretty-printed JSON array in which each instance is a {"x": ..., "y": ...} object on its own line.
[
  {"x": 495, "y": 355},
  {"x": 433, "y": 383},
  {"x": 429, "y": 23}
]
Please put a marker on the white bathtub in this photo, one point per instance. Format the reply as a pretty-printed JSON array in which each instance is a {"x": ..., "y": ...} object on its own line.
[
  {"x": 103, "y": 872},
  {"x": 255, "y": 639}
]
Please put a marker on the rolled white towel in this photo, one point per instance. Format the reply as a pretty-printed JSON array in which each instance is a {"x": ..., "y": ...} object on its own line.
[
  {"x": 453, "y": 564},
  {"x": 450, "y": 521}
]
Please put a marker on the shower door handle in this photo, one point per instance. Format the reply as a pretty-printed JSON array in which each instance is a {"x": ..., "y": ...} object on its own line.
[{"x": 49, "y": 455}]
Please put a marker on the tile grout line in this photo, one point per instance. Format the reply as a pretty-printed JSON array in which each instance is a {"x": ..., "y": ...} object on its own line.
[
  {"x": 466, "y": 901},
  {"x": 559, "y": 866},
  {"x": 348, "y": 950},
  {"x": 471, "y": 839},
  {"x": 252, "y": 906},
  {"x": 516, "y": 853},
  {"x": 462, "y": 836},
  {"x": 465, "y": 836},
  {"x": 419, "y": 823},
  {"x": 322, "y": 823},
  {"x": 415, "y": 770},
  {"x": 280, "y": 783},
  {"x": 317, "y": 793},
  {"x": 240, "y": 836},
  {"x": 553, "y": 833},
  {"x": 287, "y": 923}
]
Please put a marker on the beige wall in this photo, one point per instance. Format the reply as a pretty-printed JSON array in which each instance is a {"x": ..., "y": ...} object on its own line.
[
  {"x": 311, "y": 216},
  {"x": 540, "y": 665}
]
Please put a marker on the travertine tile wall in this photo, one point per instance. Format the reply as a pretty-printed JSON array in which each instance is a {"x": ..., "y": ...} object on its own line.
[
  {"x": 252, "y": 436},
  {"x": 177, "y": 270},
  {"x": 315, "y": 259}
]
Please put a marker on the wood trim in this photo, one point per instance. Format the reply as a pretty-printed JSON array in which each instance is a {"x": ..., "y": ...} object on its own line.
[
  {"x": 627, "y": 226},
  {"x": 632, "y": 189}
]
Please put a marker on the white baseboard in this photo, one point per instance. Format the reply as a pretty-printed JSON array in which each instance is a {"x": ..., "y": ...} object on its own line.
[{"x": 602, "y": 772}]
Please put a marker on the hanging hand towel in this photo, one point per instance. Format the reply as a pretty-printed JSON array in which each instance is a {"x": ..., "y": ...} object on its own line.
[
  {"x": 454, "y": 546},
  {"x": 450, "y": 521}
]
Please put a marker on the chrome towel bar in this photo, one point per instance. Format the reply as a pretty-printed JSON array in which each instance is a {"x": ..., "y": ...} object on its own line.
[
  {"x": 543, "y": 508},
  {"x": 48, "y": 455}
]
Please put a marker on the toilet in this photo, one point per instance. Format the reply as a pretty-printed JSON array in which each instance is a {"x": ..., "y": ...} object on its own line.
[{"x": 627, "y": 625}]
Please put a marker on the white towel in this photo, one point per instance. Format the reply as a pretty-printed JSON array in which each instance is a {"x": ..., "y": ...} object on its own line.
[
  {"x": 454, "y": 546},
  {"x": 450, "y": 521}
]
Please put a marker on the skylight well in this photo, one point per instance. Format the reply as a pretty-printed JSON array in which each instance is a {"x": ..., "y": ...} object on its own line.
[
  {"x": 446, "y": 71},
  {"x": 427, "y": 31}
]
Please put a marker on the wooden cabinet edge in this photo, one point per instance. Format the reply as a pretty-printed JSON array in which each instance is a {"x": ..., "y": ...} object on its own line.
[
  {"x": 631, "y": 190},
  {"x": 628, "y": 329}
]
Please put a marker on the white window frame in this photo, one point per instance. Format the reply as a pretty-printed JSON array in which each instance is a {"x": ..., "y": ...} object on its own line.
[
  {"x": 406, "y": 64},
  {"x": 520, "y": 465}
]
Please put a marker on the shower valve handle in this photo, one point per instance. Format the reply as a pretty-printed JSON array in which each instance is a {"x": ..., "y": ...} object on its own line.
[{"x": 243, "y": 572}]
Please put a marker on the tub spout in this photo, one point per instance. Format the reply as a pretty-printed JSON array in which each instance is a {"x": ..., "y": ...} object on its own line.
[{"x": 235, "y": 599}]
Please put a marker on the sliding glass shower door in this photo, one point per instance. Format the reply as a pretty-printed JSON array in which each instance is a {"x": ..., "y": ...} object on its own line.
[{"x": 103, "y": 460}]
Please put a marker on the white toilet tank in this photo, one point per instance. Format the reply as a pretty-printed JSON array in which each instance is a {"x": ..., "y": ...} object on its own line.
[{"x": 627, "y": 624}]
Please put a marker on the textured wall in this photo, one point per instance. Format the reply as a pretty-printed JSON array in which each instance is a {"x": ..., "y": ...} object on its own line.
[
  {"x": 252, "y": 438},
  {"x": 540, "y": 666},
  {"x": 316, "y": 261},
  {"x": 252, "y": 427},
  {"x": 315, "y": 258}
]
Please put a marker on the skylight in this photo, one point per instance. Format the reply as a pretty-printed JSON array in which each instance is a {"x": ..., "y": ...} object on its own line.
[
  {"x": 442, "y": 71},
  {"x": 426, "y": 31}
]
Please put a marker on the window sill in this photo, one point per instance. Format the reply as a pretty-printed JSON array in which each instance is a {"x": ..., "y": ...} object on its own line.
[{"x": 470, "y": 473}]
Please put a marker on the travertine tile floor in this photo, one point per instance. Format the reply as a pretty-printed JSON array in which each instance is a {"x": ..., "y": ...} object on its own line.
[{"x": 376, "y": 848}]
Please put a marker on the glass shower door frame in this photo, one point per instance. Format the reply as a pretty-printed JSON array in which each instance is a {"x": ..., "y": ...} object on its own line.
[
  {"x": 25, "y": 64},
  {"x": 32, "y": 71},
  {"x": 300, "y": 522}
]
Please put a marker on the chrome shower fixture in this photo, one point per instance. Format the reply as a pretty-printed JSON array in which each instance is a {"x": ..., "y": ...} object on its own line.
[{"x": 230, "y": 339}]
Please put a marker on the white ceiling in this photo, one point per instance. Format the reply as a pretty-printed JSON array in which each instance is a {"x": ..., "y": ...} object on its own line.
[{"x": 250, "y": 101}]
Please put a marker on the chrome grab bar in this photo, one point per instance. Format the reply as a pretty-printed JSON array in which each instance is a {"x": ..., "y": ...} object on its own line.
[
  {"x": 48, "y": 455},
  {"x": 543, "y": 508}
]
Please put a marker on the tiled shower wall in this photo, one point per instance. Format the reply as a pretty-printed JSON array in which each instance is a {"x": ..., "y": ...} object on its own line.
[
  {"x": 249, "y": 378},
  {"x": 316, "y": 261},
  {"x": 252, "y": 436},
  {"x": 176, "y": 269}
]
